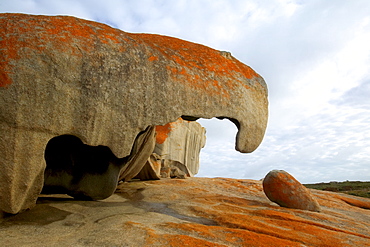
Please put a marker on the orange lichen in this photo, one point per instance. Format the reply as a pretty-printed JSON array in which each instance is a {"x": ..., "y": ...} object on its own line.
[
  {"x": 4, "y": 77},
  {"x": 152, "y": 58},
  {"x": 197, "y": 66},
  {"x": 283, "y": 189},
  {"x": 194, "y": 55},
  {"x": 244, "y": 217},
  {"x": 357, "y": 202},
  {"x": 185, "y": 240},
  {"x": 162, "y": 131},
  {"x": 230, "y": 236},
  {"x": 210, "y": 64},
  {"x": 281, "y": 227},
  {"x": 47, "y": 31}
]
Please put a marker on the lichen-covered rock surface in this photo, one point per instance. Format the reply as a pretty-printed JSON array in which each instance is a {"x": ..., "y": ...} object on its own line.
[
  {"x": 181, "y": 141},
  {"x": 282, "y": 188},
  {"x": 64, "y": 75},
  {"x": 190, "y": 212}
]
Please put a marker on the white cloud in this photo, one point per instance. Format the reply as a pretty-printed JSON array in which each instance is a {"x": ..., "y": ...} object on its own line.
[{"x": 332, "y": 145}]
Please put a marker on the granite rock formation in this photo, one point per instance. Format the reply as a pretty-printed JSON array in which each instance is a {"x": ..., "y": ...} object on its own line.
[
  {"x": 152, "y": 168},
  {"x": 63, "y": 75},
  {"x": 140, "y": 154},
  {"x": 282, "y": 188},
  {"x": 190, "y": 212},
  {"x": 157, "y": 168},
  {"x": 181, "y": 141},
  {"x": 174, "y": 169},
  {"x": 176, "y": 151}
]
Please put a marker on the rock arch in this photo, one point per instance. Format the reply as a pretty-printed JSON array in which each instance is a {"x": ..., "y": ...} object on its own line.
[{"x": 62, "y": 74}]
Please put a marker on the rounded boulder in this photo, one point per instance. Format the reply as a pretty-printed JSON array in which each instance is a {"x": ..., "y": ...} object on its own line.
[{"x": 282, "y": 188}]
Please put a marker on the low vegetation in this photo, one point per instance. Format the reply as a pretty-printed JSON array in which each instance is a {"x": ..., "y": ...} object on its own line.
[{"x": 355, "y": 188}]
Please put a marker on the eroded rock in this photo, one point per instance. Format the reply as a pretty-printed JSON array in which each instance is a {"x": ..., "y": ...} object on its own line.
[
  {"x": 92, "y": 172},
  {"x": 174, "y": 169},
  {"x": 157, "y": 168},
  {"x": 151, "y": 169},
  {"x": 80, "y": 170},
  {"x": 140, "y": 154},
  {"x": 176, "y": 151},
  {"x": 282, "y": 188},
  {"x": 63, "y": 75},
  {"x": 181, "y": 141}
]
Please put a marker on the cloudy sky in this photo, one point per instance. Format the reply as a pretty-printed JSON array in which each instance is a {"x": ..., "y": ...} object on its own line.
[{"x": 314, "y": 56}]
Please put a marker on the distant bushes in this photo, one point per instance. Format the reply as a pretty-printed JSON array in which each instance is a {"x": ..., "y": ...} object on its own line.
[{"x": 355, "y": 188}]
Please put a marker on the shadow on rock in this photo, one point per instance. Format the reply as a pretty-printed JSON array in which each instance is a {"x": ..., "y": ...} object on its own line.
[{"x": 39, "y": 215}]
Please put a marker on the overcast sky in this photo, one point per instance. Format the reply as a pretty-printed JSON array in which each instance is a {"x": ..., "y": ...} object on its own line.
[{"x": 314, "y": 56}]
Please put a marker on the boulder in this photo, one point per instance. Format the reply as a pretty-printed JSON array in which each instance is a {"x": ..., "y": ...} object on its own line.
[
  {"x": 63, "y": 75},
  {"x": 157, "y": 168},
  {"x": 282, "y": 188},
  {"x": 189, "y": 212},
  {"x": 174, "y": 169},
  {"x": 181, "y": 141}
]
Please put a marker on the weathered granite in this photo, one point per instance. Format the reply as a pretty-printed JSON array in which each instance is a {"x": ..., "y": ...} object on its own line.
[
  {"x": 282, "y": 188},
  {"x": 63, "y": 75},
  {"x": 174, "y": 169},
  {"x": 181, "y": 141},
  {"x": 140, "y": 154},
  {"x": 189, "y": 212},
  {"x": 151, "y": 169},
  {"x": 157, "y": 168}
]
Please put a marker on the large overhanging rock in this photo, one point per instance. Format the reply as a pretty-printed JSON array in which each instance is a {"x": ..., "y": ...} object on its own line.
[{"x": 63, "y": 75}]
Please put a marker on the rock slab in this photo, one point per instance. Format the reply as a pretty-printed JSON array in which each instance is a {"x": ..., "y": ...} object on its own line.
[
  {"x": 63, "y": 75},
  {"x": 189, "y": 212},
  {"x": 282, "y": 188}
]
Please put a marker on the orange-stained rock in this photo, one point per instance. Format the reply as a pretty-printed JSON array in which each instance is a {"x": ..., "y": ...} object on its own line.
[
  {"x": 282, "y": 188},
  {"x": 181, "y": 141},
  {"x": 190, "y": 212},
  {"x": 64, "y": 75}
]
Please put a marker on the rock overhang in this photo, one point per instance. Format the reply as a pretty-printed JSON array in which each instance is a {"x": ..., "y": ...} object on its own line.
[
  {"x": 116, "y": 55},
  {"x": 64, "y": 75}
]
